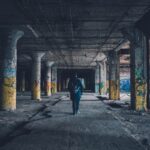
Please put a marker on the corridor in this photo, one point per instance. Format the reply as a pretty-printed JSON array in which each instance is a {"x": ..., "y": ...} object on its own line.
[
  {"x": 48, "y": 47},
  {"x": 50, "y": 125}
]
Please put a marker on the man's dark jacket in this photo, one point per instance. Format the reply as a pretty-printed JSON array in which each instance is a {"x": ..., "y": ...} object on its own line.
[{"x": 75, "y": 88}]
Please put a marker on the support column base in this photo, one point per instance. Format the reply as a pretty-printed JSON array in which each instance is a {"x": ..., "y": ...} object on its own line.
[{"x": 114, "y": 92}]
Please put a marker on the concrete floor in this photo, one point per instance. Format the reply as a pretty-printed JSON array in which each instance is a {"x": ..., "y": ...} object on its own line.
[{"x": 50, "y": 125}]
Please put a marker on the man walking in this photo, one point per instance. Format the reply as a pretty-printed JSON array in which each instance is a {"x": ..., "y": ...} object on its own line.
[{"x": 75, "y": 88}]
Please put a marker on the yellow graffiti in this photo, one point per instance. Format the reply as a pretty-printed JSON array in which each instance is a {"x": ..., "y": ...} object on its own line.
[
  {"x": 141, "y": 96},
  {"x": 114, "y": 92},
  {"x": 107, "y": 86},
  {"x": 9, "y": 93},
  {"x": 10, "y": 82},
  {"x": 36, "y": 92},
  {"x": 48, "y": 88},
  {"x": 54, "y": 87}
]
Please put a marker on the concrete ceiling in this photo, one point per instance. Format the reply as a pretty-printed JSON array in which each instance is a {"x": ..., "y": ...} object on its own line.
[{"x": 72, "y": 33}]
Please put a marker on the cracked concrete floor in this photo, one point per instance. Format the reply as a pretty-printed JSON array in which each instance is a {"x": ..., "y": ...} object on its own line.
[{"x": 54, "y": 127}]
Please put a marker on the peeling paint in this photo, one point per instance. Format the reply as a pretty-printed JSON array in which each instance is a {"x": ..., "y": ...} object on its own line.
[
  {"x": 48, "y": 88},
  {"x": 8, "y": 70},
  {"x": 36, "y": 92},
  {"x": 141, "y": 94},
  {"x": 114, "y": 93},
  {"x": 9, "y": 86},
  {"x": 9, "y": 93},
  {"x": 54, "y": 87},
  {"x": 140, "y": 88},
  {"x": 103, "y": 88}
]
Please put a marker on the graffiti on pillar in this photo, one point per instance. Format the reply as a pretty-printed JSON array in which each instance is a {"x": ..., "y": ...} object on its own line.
[
  {"x": 125, "y": 85},
  {"x": 102, "y": 87},
  {"x": 9, "y": 84},
  {"x": 140, "y": 88},
  {"x": 36, "y": 95},
  {"x": 9, "y": 72},
  {"x": 141, "y": 94},
  {"x": 138, "y": 71},
  {"x": 48, "y": 88},
  {"x": 10, "y": 68},
  {"x": 36, "y": 83},
  {"x": 54, "y": 87},
  {"x": 9, "y": 92},
  {"x": 114, "y": 92}
]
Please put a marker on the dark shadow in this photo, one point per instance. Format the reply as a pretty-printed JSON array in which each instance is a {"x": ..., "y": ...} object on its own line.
[
  {"x": 114, "y": 105},
  {"x": 102, "y": 98},
  {"x": 57, "y": 101},
  {"x": 81, "y": 140},
  {"x": 20, "y": 129},
  {"x": 96, "y": 100}
]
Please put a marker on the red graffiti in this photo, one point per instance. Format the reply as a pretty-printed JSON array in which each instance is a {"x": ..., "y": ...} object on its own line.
[{"x": 36, "y": 83}]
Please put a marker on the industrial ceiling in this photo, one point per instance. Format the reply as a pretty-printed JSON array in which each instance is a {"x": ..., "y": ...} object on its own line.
[{"x": 71, "y": 32}]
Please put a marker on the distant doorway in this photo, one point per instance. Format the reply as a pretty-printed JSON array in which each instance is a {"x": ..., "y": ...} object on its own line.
[{"x": 85, "y": 75}]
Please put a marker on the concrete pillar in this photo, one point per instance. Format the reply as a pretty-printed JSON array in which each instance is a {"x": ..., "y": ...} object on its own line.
[
  {"x": 148, "y": 73},
  {"x": 97, "y": 78},
  {"x": 59, "y": 82},
  {"x": 138, "y": 52},
  {"x": 8, "y": 69},
  {"x": 22, "y": 87},
  {"x": 107, "y": 78},
  {"x": 36, "y": 76},
  {"x": 114, "y": 75},
  {"x": 48, "y": 81},
  {"x": 103, "y": 88},
  {"x": 54, "y": 79}
]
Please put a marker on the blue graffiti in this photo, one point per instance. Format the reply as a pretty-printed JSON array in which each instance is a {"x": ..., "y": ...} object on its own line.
[
  {"x": 9, "y": 72},
  {"x": 125, "y": 85}
]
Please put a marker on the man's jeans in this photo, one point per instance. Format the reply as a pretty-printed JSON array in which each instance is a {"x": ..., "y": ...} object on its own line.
[{"x": 75, "y": 106}]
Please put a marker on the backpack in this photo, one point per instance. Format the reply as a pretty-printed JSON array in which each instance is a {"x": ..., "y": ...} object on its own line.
[{"x": 74, "y": 87}]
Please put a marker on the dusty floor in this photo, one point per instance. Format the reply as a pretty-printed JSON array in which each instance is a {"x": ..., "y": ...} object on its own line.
[{"x": 50, "y": 125}]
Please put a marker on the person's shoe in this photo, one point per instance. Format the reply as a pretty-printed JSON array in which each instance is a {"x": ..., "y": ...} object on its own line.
[{"x": 78, "y": 112}]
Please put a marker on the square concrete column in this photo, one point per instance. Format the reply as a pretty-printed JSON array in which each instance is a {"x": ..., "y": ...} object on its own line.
[
  {"x": 97, "y": 78},
  {"x": 8, "y": 39},
  {"x": 114, "y": 75},
  {"x": 36, "y": 75},
  {"x": 138, "y": 52},
  {"x": 48, "y": 80}
]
